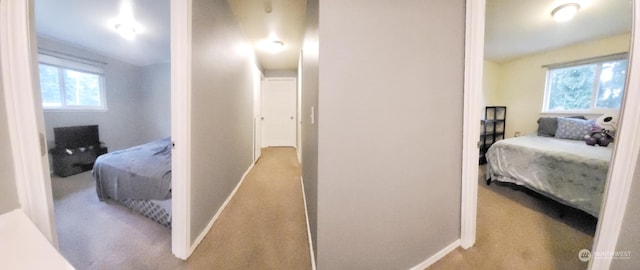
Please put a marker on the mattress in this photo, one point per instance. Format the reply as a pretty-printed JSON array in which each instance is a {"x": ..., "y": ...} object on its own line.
[{"x": 568, "y": 171}]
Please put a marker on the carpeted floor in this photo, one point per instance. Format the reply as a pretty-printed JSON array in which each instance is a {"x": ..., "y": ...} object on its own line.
[
  {"x": 263, "y": 226},
  {"x": 518, "y": 231}
]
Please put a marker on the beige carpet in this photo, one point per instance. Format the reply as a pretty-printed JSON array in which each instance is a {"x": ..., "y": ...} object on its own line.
[
  {"x": 518, "y": 231},
  {"x": 263, "y": 227}
]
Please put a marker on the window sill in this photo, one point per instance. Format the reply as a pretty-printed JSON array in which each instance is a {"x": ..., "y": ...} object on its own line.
[
  {"x": 587, "y": 112},
  {"x": 75, "y": 109}
]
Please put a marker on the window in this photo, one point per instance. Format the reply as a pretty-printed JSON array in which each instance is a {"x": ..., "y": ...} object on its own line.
[
  {"x": 589, "y": 86},
  {"x": 70, "y": 85}
]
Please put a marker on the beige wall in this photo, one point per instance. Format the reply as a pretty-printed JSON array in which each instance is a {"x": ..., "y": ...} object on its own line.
[
  {"x": 491, "y": 84},
  {"x": 221, "y": 111},
  {"x": 389, "y": 152},
  {"x": 309, "y": 147},
  {"x": 8, "y": 191},
  {"x": 521, "y": 82}
]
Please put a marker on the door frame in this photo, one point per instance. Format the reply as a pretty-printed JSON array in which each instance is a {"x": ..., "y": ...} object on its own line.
[
  {"x": 299, "y": 109},
  {"x": 18, "y": 52},
  {"x": 181, "y": 18},
  {"x": 18, "y": 55},
  {"x": 624, "y": 158},
  {"x": 258, "y": 78}
]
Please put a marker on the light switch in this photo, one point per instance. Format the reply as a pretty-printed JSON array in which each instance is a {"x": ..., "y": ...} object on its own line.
[{"x": 313, "y": 115}]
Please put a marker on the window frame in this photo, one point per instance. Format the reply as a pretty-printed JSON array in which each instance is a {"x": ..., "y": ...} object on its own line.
[
  {"x": 66, "y": 63},
  {"x": 594, "y": 91}
]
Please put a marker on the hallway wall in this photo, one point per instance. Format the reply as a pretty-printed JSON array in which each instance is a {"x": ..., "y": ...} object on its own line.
[
  {"x": 221, "y": 109},
  {"x": 629, "y": 238},
  {"x": 310, "y": 130},
  {"x": 389, "y": 152}
]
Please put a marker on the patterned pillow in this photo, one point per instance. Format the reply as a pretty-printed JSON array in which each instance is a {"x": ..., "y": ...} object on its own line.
[{"x": 573, "y": 129}]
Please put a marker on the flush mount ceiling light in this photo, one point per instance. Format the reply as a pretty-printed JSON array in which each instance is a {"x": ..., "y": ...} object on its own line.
[
  {"x": 125, "y": 24},
  {"x": 126, "y": 31},
  {"x": 271, "y": 45},
  {"x": 565, "y": 12}
]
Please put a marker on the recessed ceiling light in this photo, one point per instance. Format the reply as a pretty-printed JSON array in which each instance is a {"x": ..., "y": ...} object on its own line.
[
  {"x": 271, "y": 45},
  {"x": 565, "y": 12}
]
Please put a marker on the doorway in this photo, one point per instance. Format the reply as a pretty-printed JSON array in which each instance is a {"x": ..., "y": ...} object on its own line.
[
  {"x": 134, "y": 95},
  {"x": 279, "y": 112},
  {"x": 621, "y": 170}
]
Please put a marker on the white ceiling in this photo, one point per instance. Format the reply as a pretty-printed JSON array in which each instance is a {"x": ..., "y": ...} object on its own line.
[
  {"x": 85, "y": 23},
  {"x": 285, "y": 21},
  {"x": 513, "y": 27},
  {"x": 519, "y": 27}
]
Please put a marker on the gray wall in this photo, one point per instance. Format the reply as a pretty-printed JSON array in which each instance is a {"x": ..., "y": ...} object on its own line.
[
  {"x": 120, "y": 124},
  {"x": 629, "y": 239},
  {"x": 155, "y": 100},
  {"x": 8, "y": 191},
  {"x": 221, "y": 111},
  {"x": 389, "y": 151},
  {"x": 310, "y": 131}
]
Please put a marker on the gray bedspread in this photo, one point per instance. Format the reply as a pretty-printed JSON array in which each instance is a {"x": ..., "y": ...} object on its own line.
[
  {"x": 568, "y": 171},
  {"x": 141, "y": 172}
]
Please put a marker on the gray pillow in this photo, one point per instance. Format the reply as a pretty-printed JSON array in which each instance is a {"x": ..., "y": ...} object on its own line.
[
  {"x": 573, "y": 129},
  {"x": 547, "y": 126}
]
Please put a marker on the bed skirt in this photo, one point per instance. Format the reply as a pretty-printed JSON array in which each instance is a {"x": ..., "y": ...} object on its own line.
[{"x": 151, "y": 209}]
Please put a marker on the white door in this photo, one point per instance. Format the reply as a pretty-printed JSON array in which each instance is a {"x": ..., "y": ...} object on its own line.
[{"x": 279, "y": 112}]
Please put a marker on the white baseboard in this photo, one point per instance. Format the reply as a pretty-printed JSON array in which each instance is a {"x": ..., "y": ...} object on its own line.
[
  {"x": 306, "y": 214},
  {"x": 215, "y": 217},
  {"x": 436, "y": 257}
]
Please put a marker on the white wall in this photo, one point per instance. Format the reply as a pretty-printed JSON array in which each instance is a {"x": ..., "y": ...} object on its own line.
[
  {"x": 221, "y": 111},
  {"x": 389, "y": 147},
  {"x": 155, "y": 99},
  {"x": 521, "y": 82},
  {"x": 120, "y": 124},
  {"x": 8, "y": 191}
]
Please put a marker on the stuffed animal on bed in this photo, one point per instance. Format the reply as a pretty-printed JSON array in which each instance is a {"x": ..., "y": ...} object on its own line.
[{"x": 603, "y": 131}]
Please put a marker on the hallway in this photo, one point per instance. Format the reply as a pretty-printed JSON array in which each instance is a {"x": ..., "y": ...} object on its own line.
[{"x": 264, "y": 225}]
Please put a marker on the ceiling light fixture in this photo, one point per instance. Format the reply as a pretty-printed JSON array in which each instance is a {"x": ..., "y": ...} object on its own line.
[
  {"x": 271, "y": 45},
  {"x": 126, "y": 31},
  {"x": 125, "y": 24},
  {"x": 565, "y": 12}
]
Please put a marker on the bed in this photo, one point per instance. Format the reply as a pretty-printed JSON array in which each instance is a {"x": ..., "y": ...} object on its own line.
[
  {"x": 568, "y": 171},
  {"x": 139, "y": 178}
]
